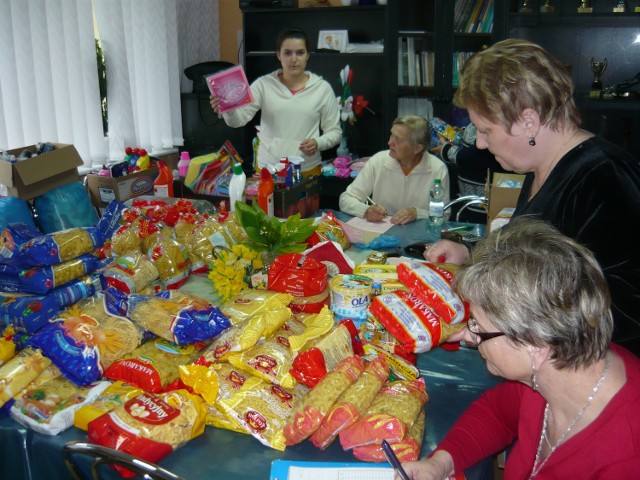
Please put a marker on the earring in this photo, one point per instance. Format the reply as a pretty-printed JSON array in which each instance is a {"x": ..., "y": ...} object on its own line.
[
  {"x": 534, "y": 380},
  {"x": 532, "y": 141}
]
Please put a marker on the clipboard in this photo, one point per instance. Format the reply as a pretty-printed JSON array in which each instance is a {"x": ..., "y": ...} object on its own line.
[{"x": 280, "y": 470}]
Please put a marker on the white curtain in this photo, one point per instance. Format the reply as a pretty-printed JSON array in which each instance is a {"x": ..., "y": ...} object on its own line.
[
  {"x": 49, "y": 87},
  {"x": 48, "y": 76}
]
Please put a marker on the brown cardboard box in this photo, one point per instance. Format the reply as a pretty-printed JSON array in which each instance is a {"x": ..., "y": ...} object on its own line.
[
  {"x": 104, "y": 189},
  {"x": 35, "y": 176},
  {"x": 302, "y": 198},
  {"x": 502, "y": 197}
]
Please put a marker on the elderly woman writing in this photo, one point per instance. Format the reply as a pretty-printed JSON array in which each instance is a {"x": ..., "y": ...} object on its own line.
[
  {"x": 541, "y": 318},
  {"x": 398, "y": 180},
  {"x": 520, "y": 98}
]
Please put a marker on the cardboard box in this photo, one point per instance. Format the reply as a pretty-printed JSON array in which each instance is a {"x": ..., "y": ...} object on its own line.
[
  {"x": 35, "y": 176},
  {"x": 503, "y": 197},
  {"x": 302, "y": 198},
  {"x": 103, "y": 190}
]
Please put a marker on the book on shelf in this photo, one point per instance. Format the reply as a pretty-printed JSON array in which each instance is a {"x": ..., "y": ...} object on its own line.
[{"x": 415, "y": 106}]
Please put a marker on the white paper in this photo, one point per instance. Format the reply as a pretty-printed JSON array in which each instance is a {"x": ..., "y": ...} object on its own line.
[
  {"x": 342, "y": 473},
  {"x": 359, "y": 230}
]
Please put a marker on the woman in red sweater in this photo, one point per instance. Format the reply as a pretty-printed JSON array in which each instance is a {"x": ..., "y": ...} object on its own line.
[{"x": 541, "y": 318}]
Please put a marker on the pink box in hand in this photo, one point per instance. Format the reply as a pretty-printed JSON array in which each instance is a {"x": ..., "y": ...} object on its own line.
[{"x": 231, "y": 86}]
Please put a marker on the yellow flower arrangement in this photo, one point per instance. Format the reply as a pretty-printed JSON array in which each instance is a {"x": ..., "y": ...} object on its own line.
[{"x": 231, "y": 269}]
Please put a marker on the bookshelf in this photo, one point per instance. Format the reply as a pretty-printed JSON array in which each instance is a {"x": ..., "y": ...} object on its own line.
[{"x": 433, "y": 38}]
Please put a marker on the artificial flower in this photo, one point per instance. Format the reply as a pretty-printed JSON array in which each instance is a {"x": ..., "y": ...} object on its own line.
[{"x": 231, "y": 269}]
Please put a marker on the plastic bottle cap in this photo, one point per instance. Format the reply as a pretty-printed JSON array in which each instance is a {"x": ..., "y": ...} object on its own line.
[
  {"x": 264, "y": 173},
  {"x": 237, "y": 169},
  {"x": 184, "y": 156},
  {"x": 437, "y": 180}
]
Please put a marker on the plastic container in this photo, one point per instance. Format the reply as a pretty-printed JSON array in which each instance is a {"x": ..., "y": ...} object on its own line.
[
  {"x": 265, "y": 192},
  {"x": 236, "y": 186},
  {"x": 183, "y": 164},
  {"x": 436, "y": 203},
  {"x": 143, "y": 161},
  {"x": 163, "y": 184}
]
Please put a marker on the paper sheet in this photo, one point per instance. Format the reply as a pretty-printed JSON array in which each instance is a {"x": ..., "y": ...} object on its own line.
[
  {"x": 359, "y": 230},
  {"x": 341, "y": 473}
]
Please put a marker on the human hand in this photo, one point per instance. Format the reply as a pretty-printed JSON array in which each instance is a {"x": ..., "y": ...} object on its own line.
[
  {"x": 438, "y": 467},
  {"x": 375, "y": 213},
  {"x": 308, "y": 146},
  {"x": 405, "y": 215},
  {"x": 214, "y": 101},
  {"x": 446, "y": 251}
]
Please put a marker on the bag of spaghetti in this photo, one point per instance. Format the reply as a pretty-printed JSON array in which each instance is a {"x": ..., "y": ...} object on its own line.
[
  {"x": 328, "y": 228},
  {"x": 352, "y": 403},
  {"x": 150, "y": 426},
  {"x": 20, "y": 371},
  {"x": 85, "y": 340},
  {"x": 251, "y": 302},
  {"x": 7, "y": 347},
  {"x": 309, "y": 413},
  {"x": 154, "y": 364},
  {"x": 49, "y": 408},
  {"x": 191, "y": 319},
  {"x": 407, "y": 449},
  {"x": 312, "y": 363},
  {"x": 117, "y": 393},
  {"x": 433, "y": 284},
  {"x": 390, "y": 416},
  {"x": 413, "y": 323},
  {"x": 271, "y": 359},
  {"x": 170, "y": 257},
  {"x": 263, "y": 409},
  {"x": 130, "y": 273},
  {"x": 215, "y": 382},
  {"x": 27, "y": 313}
]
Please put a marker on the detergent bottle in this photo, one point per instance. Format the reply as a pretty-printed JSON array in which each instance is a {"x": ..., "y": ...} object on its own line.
[
  {"x": 265, "y": 192},
  {"x": 163, "y": 184}
]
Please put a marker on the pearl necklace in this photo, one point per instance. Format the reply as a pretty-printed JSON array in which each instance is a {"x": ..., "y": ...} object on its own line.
[{"x": 537, "y": 464}]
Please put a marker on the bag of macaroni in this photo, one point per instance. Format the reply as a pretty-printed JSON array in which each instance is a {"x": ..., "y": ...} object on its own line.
[
  {"x": 433, "y": 284},
  {"x": 150, "y": 426}
]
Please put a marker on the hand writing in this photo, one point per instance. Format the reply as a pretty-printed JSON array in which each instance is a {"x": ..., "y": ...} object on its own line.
[{"x": 375, "y": 213}]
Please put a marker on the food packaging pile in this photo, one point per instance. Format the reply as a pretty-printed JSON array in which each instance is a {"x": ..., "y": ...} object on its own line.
[{"x": 112, "y": 342}]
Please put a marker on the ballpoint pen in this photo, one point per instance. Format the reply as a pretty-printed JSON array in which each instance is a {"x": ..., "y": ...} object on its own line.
[
  {"x": 372, "y": 202},
  {"x": 393, "y": 460}
]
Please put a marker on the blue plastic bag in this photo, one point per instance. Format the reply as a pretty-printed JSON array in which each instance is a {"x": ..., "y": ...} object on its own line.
[
  {"x": 67, "y": 206},
  {"x": 15, "y": 210}
]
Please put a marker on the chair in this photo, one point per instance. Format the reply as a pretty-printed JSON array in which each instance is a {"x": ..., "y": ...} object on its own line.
[{"x": 108, "y": 456}]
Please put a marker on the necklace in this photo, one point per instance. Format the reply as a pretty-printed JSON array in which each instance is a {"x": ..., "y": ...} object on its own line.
[
  {"x": 537, "y": 464},
  {"x": 535, "y": 185}
]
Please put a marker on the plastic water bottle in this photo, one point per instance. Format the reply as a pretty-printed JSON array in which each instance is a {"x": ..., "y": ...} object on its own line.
[
  {"x": 436, "y": 203},
  {"x": 236, "y": 186}
]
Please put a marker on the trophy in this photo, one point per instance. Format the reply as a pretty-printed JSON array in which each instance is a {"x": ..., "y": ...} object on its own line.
[
  {"x": 621, "y": 7},
  {"x": 637, "y": 9},
  {"x": 524, "y": 7},
  {"x": 585, "y": 7},
  {"x": 598, "y": 69},
  {"x": 547, "y": 7}
]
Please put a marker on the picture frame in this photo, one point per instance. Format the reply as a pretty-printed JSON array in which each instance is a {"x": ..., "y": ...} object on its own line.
[{"x": 333, "y": 40}]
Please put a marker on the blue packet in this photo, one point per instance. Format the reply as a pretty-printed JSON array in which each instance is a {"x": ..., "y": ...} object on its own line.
[{"x": 28, "y": 313}]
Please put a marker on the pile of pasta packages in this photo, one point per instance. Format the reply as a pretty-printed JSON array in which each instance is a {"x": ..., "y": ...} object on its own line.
[{"x": 100, "y": 334}]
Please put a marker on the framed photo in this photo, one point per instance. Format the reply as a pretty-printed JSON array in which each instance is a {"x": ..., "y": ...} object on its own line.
[{"x": 333, "y": 40}]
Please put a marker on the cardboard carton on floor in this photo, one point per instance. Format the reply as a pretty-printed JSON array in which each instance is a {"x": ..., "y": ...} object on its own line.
[
  {"x": 500, "y": 196},
  {"x": 37, "y": 175},
  {"x": 103, "y": 190}
]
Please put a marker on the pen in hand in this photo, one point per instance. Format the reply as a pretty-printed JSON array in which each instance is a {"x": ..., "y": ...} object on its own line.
[
  {"x": 374, "y": 204},
  {"x": 393, "y": 460}
]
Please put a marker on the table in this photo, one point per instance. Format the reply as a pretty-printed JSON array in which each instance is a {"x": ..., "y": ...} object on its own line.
[{"x": 453, "y": 379}]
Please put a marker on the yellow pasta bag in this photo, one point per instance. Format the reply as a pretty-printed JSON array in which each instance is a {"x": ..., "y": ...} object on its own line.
[
  {"x": 263, "y": 409},
  {"x": 20, "y": 371},
  {"x": 116, "y": 394},
  {"x": 230, "y": 381},
  {"x": 238, "y": 338},
  {"x": 271, "y": 359},
  {"x": 316, "y": 325},
  {"x": 251, "y": 302},
  {"x": 7, "y": 347}
]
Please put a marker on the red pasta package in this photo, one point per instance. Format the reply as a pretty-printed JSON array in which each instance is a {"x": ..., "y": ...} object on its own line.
[
  {"x": 150, "y": 426},
  {"x": 309, "y": 414},
  {"x": 353, "y": 402},
  {"x": 390, "y": 416},
  {"x": 304, "y": 278},
  {"x": 433, "y": 285},
  {"x": 407, "y": 449}
]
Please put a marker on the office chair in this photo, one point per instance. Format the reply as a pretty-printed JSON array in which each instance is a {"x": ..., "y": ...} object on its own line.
[{"x": 108, "y": 456}]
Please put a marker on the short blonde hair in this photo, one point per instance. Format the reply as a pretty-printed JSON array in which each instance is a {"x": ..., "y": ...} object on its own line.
[{"x": 499, "y": 83}]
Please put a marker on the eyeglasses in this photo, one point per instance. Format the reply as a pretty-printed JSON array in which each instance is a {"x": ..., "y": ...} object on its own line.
[{"x": 477, "y": 335}]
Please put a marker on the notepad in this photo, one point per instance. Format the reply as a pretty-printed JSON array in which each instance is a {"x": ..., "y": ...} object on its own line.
[
  {"x": 359, "y": 230},
  {"x": 293, "y": 470}
]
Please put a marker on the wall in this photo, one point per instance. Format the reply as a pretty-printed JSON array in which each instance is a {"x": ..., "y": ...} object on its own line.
[{"x": 230, "y": 24}]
